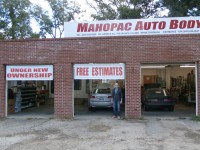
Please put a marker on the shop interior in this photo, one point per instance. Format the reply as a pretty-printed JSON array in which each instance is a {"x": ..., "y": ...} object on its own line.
[
  {"x": 30, "y": 98},
  {"x": 83, "y": 91},
  {"x": 178, "y": 80}
]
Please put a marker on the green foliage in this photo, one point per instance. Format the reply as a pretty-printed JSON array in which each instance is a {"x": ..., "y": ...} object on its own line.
[
  {"x": 15, "y": 19},
  {"x": 35, "y": 35},
  {"x": 124, "y": 9},
  {"x": 132, "y": 9},
  {"x": 104, "y": 11},
  {"x": 52, "y": 23},
  {"x": 127, "y": 13},
  {"x": 196, "y": 118},
  {"x": 182, "y": 8}
]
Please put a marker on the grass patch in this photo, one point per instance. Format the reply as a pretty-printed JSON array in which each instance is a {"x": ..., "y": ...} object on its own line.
[
  {"x": 141, "y": 118},
  {"x": 51, "y": 117},
  {"x": 2, "y": 118},
  {"x": 195, "y": 118}
]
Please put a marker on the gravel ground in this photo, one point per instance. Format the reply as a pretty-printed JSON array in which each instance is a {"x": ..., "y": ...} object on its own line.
[{"x": 99, "y": 133}]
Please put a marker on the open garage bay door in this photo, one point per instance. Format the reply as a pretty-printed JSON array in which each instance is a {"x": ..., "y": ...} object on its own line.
[
  {"x": 94, "y": 82},
  {"x": 27, "y": 87},
  {"x": 177, "y": 82}
]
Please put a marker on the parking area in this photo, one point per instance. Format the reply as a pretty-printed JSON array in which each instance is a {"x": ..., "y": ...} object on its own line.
[
  {"x": 100, "y": 131},
  {"x": 36, "y": 128}
]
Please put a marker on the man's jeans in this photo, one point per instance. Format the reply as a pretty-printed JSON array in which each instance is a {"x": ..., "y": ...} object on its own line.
[{"x": 116, "y": 108}]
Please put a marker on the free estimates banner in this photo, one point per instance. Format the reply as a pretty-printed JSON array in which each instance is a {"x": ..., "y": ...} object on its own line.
[
  {"x": 37, "y": 72},
  {"x": 153, "y": 26},
  {"x": 99, "y": 71}
]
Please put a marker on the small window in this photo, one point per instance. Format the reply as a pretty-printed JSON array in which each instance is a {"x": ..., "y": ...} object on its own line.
[
  {"x": 77, "y": 84},
  {"x": 103, "y": 91}
]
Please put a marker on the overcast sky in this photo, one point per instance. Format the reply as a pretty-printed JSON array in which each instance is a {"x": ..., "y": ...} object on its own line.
[{"x": 82, "y": 17}]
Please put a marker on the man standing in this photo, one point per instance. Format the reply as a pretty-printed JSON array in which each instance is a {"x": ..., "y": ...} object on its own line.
[{"x": 117, "y": 99}]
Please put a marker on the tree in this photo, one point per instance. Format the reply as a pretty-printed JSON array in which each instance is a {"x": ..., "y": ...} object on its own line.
[
  {"x": 15, "y": 20},
  {"x": 52, "y": 23},
  {"x": 124, "y": 9},
  {"x": 103, "y": 10},
  {"x": 182, "y": 8}
]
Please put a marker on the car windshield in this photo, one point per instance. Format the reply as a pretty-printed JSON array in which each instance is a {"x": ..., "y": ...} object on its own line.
[
  {"x": 157, "y": 92},
  {"x": 102, "y": 91}
]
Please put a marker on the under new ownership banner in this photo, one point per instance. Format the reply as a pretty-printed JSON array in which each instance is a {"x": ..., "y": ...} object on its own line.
[
  {"x": 29, "y": 72},
  {"x": 99, "y": 71},
  {"x": 153, "y": 26}
]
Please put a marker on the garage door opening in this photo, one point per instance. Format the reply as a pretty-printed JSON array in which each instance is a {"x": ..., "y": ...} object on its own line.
[
  {"x": 93, "y": 88},
  {"x": 29, "y": 90},
  {"x": 163, "y": 83}
]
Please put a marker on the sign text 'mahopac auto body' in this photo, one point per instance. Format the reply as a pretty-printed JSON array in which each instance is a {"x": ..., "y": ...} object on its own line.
[{"x": 155, "y": 26}]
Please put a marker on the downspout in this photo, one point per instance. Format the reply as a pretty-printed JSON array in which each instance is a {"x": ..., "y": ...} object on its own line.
[
  {"x": 196, "y": 84},
  {"x": 6, "y": 100}
]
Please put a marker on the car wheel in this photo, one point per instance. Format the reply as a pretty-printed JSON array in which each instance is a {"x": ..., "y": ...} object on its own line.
[
  {"x": 91, "y": 109},
  {"x": 171, "y": 108}
]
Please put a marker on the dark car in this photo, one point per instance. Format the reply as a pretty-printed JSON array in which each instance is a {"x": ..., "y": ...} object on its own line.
[
  {"x": 157, "y": 97},
  {"x": 152, "y": 85}
]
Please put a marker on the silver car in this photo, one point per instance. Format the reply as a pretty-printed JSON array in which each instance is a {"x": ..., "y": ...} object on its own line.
[{"x": 100, "y": 98}]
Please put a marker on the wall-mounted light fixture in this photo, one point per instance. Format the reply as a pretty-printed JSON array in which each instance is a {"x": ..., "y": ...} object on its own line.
[
  {"x": 153, "y": 67},
  {"x": 187, "y": 66}
]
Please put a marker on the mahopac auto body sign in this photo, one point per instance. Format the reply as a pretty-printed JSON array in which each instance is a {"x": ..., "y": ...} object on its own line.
[
  {"x": 99, "y": 71},
  {"x": 154, "y": 26},
  {"x": 29, "y": 72}
]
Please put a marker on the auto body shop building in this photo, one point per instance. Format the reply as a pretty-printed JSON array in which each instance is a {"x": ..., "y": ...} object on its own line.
[{"x": 133, "y": 43}]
